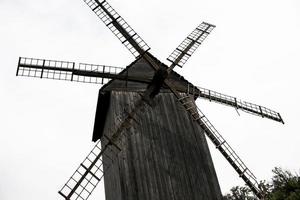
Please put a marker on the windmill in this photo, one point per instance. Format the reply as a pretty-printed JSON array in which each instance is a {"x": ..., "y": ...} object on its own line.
[{"x": 149, "y": 133}]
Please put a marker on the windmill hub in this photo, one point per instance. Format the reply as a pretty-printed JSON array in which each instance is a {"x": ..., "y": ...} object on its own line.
[{"x": 157, "y": 82}]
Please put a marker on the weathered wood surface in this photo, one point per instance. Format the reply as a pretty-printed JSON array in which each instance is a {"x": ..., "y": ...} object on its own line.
[{"x": 164, "y": 155}]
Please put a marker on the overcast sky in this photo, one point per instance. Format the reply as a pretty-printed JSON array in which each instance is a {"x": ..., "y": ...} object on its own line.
[{"x": 46, "y": 125}]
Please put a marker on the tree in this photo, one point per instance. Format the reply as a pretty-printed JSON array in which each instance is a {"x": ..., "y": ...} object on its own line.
[
  {"x": 239, "y": 193},
  {"x": 283, "y": 186}
]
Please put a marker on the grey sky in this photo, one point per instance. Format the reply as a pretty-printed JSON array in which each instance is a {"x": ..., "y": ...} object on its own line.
[{"x": 46, "y": 125}]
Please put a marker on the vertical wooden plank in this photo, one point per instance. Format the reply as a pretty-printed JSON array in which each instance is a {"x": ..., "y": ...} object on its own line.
[{"x": 165, "y": 157}]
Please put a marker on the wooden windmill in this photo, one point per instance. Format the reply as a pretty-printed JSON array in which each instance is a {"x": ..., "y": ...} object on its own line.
[{"x": 149, "y": 131}]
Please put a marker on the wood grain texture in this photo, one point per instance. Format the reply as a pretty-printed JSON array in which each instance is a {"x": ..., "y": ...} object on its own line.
[{"x": 164, "y": 154}]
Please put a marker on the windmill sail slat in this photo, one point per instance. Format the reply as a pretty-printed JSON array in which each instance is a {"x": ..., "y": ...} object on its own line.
[
  {"x": 63, "y": 70},
  {"x": 90, "y": 172},
  {"x": 238, "y": 104},
  {"x": 120, "y": 28},
  {"x": 221, "y": 144},
  {"x": 184, "y": 51}
]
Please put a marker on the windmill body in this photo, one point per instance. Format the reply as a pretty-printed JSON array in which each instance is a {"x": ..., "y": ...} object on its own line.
[
  {"x": 164, "y": 154},
  {"x": 149, "y": 133}
]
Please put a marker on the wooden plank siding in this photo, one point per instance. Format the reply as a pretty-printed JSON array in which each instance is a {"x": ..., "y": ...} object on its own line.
[{"x": 164, "y": 154}]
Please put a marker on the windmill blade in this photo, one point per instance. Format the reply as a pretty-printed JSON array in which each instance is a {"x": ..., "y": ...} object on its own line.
[
  {"x": 120, "y": 28},
  {"x": 184, "y": 51},
  {"x": 91, "y": 171},
  {"x": 220, "y": 143},
  {"x": 64, "y": 70},
  {"x": 236, "y": 103}
]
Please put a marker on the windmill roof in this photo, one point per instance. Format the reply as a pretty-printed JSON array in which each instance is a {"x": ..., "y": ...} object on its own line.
[{"x": 141, "y": 68}]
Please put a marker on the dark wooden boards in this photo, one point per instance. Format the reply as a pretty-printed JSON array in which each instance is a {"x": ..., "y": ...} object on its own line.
[{"x": 164, "y": 154}]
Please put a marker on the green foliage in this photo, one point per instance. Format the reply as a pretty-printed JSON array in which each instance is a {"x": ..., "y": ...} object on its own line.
[
  {"x": 283, "y": 186},
  {"x": 239, "y": 193}
]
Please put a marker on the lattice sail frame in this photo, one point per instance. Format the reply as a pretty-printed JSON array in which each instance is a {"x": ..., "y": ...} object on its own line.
[
  {"x": 64, "y": 70},
  {"x": 228, "y": 100},
  {"x": 69, "y": 71},
  {"x": 221, "y": 144},
  {"x": 184, "y": 51},
  {"x": 119, "y": 27},
  {"x": 91, "y": 171}
]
